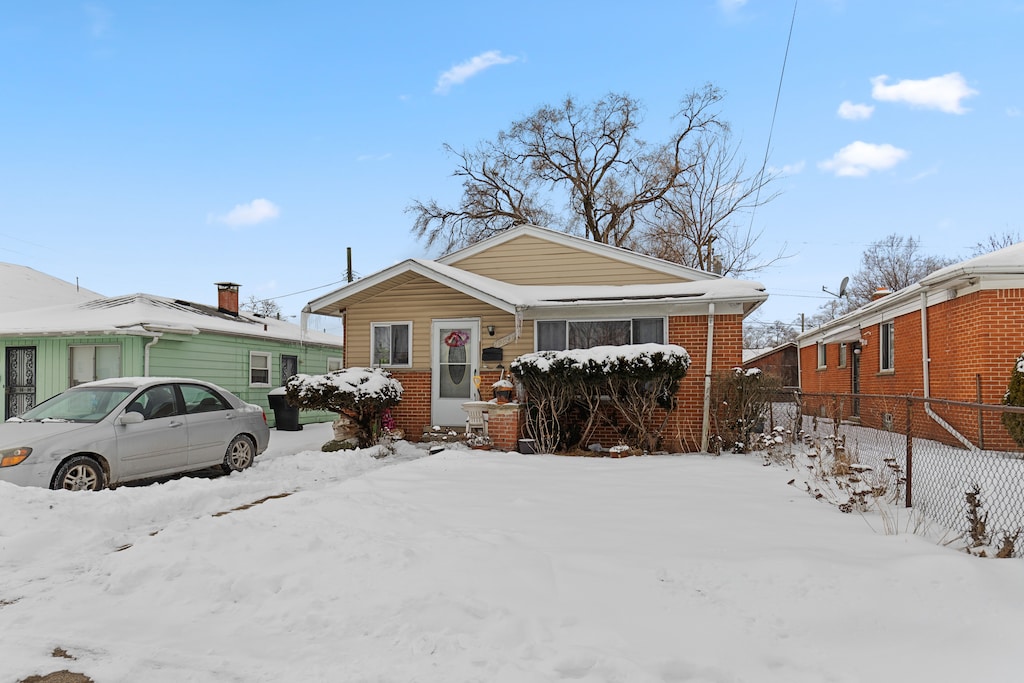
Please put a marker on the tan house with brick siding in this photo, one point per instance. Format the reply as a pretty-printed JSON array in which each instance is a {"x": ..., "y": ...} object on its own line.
[
  {"x": 436, "y": 324},
  {"x": 954, "y": 335}
]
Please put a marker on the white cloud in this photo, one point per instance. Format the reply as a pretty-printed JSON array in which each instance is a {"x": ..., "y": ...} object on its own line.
[
  {"x": 789, "y": 169},
  {"x": 1013, "y": 112},
  {"x": 460, "y": 73},
  {"x": 731, "y": 6},
  {"x": 855, "y": 112},
  {"x": 256, "y": 211},
  {"x": 861, "y": 158},
  {"x": 939, "y": 92},
  {"x": 99, "y": 20}
]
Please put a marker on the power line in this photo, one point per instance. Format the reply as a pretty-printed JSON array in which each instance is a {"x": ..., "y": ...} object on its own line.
[{"x": 775, "y": 110}]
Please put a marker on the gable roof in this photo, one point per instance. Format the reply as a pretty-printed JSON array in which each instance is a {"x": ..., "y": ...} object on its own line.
[
  {"x": 1003, "y": 268},
  {"x": 149, "y": 315},
  {"x": 537, "y": 298},
  {"x": 582, "y": 244},
  {"x": 23, "y": 288},
  {"x": 693, "y": 286}
]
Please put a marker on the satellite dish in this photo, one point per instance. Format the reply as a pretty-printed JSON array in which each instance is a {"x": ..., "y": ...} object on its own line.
[{"x": 842, "y": 286}]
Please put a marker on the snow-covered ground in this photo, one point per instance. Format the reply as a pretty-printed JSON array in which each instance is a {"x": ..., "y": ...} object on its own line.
[{"x": 490, "y": 567}]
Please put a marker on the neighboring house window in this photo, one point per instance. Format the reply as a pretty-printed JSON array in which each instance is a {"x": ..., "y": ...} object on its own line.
[
  {"x": 842, "y": 355},
  {"x": 822, "y": 349},
  {"x": 391, "y": 344},
  {"x": 92, "y": 362},
  {"x": 334, "y": 364},
  {"x": 887, "y": 347},
  {"x": 259, "y": 369},
  {"x": 559, "y": 335}
]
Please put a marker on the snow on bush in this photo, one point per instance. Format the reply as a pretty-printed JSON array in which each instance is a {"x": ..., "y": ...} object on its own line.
[
  {"x": 363, "y": 394},
  {"x": 604, "y": 360},
  {"x": 1014, "y": 422},
  {"x": 568, "y": 392}
]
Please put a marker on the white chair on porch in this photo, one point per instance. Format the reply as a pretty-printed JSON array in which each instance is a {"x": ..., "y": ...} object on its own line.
[{"x": 476, "y": 417}]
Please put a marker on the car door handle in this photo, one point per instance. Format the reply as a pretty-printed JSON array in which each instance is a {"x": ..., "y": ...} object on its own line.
[{"x": 175, "y": 423}]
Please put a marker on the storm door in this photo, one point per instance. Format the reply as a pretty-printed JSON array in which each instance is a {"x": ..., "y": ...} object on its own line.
[
  {"x": 855, "y": 379},
  {"x": 20, "y": 391},
  {"x": 455, "y": 352}
]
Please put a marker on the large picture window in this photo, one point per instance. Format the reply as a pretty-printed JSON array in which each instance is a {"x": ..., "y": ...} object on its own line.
[
  {"x": 92, "y": 362},
  {"x": 887, "y": 348},
  {"x": 559, "y": 335},
  {"x": 390, "y": 344}
]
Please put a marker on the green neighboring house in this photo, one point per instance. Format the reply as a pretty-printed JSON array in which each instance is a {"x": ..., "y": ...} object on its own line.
[{"x": 46, "y": 350}]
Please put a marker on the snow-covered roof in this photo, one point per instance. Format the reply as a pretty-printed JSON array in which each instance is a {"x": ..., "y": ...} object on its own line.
[
  {"x": 23, "y": 288},
  {"x": 537, "y": 298},
  {"x": 1004, "y": 266},
  {"x": 146, "y": 314}
]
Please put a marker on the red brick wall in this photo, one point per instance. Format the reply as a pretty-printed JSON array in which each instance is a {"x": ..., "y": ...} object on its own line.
[
  {"x": 683, "y": 430},
  {"x": 972, "y": 340},
  {"x": 413, "y": 413}
]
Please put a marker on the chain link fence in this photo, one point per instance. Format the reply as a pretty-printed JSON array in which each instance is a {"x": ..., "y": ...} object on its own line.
[{"x": 953, "y": 462}]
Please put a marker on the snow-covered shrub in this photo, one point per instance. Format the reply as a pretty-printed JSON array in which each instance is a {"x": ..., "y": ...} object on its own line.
[
  {"x": 566, "y": 391},
  {"x": 362, "y": 394},
  {"x": 1014, "y": 422},
  {"x": 740, "y": 402}
]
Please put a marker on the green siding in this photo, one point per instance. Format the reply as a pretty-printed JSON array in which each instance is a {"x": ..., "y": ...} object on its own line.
[{"x": 221, "y": 359}]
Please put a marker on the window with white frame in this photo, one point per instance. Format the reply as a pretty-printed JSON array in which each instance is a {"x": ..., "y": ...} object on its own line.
[
  {"x": 259, "y": 369},
  {"x": 887, "y": 347},
  {"x": 842, "y": 355},
  {"x": 822, "y": 357},
  {"x": 89, "y": 362},
  {"x": 559, "y": 335},
  {"x": 334, "y": 364},
  {"x": 390, "y": 344}
]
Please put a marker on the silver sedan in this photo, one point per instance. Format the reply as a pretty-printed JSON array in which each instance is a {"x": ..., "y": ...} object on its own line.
[{"x": 103, "y": 433}]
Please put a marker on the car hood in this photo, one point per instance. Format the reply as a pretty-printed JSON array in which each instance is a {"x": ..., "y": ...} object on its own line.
[{"x": 15, "y": 434}]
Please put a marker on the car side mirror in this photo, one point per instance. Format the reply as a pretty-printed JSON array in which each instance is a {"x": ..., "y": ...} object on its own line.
[{"x": 130, "y": 418}]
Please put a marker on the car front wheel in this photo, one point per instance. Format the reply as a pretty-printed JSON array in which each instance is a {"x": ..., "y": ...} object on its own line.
[
  {"x": 80, "y": 473},
  {"x": 239, "y": 455}
]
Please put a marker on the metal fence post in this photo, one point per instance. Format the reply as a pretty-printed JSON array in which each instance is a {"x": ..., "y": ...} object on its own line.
[{"x": 910, "y": 455}]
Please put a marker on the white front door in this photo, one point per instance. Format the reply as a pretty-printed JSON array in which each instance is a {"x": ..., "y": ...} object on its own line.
[{"x": 455, "y": 352}]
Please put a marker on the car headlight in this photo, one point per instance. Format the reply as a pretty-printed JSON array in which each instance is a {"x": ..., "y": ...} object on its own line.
[{"x": 10, "y": 457}]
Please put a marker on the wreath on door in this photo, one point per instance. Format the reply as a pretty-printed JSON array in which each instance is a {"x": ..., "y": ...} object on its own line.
[{"x": 456, "y": 339}]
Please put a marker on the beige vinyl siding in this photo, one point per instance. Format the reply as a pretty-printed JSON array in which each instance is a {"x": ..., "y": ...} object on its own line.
[
  {"x": 421, "y": 301},
  {"x": 527, "y": 260}
]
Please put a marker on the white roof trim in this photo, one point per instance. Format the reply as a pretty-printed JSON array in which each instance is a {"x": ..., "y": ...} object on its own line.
[{"x": 510, "y": 298}]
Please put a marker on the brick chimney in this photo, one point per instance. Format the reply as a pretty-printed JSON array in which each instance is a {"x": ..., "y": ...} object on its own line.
[
  {"x": 227, "y": 297},
  {"x": 880, "y": 292}
]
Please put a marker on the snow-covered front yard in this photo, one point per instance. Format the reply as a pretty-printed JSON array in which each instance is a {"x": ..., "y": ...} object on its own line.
[{"x": 490, "y": 567}]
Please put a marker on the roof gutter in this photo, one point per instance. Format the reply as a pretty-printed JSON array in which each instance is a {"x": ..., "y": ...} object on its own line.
[
  {"x": 926, "y": 363},
  {"x": 706, "y": 424}
]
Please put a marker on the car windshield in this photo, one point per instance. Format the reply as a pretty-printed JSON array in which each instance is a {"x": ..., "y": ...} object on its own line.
[{"x": 79, "y": 405}]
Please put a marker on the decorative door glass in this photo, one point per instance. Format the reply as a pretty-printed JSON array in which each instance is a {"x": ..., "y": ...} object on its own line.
[{"x": 455, "y": 376}]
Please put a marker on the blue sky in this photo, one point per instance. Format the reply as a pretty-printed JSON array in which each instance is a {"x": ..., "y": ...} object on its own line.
[{"x": 164, "y": 146}]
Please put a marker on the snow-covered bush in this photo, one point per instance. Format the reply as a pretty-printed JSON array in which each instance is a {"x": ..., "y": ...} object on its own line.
[
  {"x": 740, "y": 403},
  {"x": 362, "y": 394},
  {"x": 566, "y": 391},
  {"x": 1014, "y": 422}
]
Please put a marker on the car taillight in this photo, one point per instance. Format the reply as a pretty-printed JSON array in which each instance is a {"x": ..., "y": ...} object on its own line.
[{"x": 264, "y": 416}]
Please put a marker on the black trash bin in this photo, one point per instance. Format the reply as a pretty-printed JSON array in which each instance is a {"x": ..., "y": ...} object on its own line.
[{"x": 286, "y": 416}]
